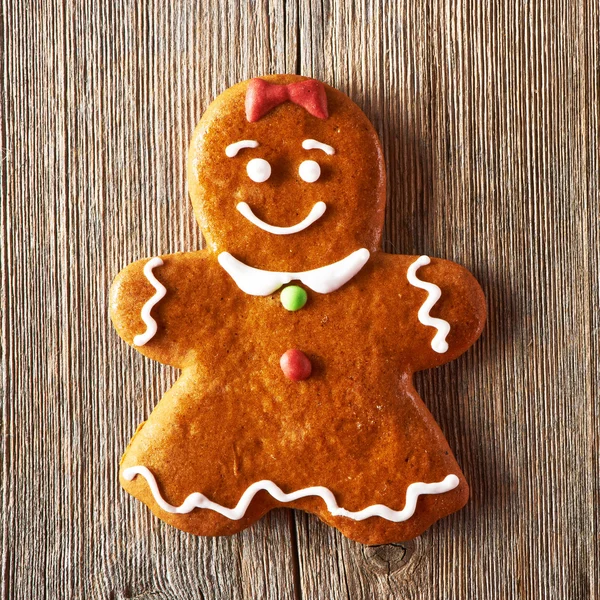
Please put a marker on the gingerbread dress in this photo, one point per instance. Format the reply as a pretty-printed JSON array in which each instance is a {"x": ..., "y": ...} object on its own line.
[{"x": 297, "y": 337}]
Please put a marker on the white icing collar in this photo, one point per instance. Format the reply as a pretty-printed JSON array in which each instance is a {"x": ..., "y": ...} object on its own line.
[{"x": 323, "y": 280}]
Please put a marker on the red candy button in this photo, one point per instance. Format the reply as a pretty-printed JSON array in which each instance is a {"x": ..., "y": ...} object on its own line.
[{"x": 295, "y": 365}]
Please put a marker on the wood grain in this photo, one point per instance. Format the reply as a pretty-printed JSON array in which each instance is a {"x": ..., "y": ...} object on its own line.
[{"x": 489, "y": 117}]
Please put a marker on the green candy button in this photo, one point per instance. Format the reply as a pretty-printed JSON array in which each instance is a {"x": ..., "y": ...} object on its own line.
[{"x": 293, "y": 297}]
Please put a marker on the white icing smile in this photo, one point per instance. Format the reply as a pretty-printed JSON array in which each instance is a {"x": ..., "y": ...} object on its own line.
[{"x": 317, "y": 211}]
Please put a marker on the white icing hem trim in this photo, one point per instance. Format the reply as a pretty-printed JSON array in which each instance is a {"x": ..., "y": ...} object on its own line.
[
  {"x": 323, "y": 280},
  {"x": 151, "y": 327},
  {"x": 198, "y": 500},
  {"x": 438, "y": 343},
  {"x": 317, "y": 211}
]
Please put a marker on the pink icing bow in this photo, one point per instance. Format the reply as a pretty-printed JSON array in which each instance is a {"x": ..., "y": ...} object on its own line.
[{"x": 262, "y": 96}]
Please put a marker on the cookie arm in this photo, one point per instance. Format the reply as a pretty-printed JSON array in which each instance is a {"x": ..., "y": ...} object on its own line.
[
  {"x": 450, "y": 311},
  {"x": 138, "y": 308}
]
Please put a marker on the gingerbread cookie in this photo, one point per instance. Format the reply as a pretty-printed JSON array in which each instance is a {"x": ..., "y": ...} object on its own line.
[{"x": 297, "y": 337}]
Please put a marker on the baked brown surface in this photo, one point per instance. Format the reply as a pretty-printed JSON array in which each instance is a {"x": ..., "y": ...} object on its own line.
[{"x": 356, "y": 426}]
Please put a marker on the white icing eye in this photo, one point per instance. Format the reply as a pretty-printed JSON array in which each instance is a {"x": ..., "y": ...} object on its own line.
[
  {"x": 309, "y": 171},
  {"x": 258, "y": 170}
]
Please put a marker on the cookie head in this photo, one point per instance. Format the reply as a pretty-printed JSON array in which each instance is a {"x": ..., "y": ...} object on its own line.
[{"x": 286, "y": 173}]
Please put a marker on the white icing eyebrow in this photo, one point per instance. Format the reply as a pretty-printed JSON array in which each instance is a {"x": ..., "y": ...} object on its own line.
[
  {"x": 315, "y": 145},
  {"x": 234, "y": 148}
]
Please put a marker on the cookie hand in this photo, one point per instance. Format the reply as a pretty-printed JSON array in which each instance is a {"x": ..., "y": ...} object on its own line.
[
  {"x": 450, "y": 307},
  {"x": 135, "y": 298}
]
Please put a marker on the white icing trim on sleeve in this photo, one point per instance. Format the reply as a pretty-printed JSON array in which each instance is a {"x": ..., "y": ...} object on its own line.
[
  {"x": 315, "y": 145},
  {"x": 233, "y": 149},
  {"x": 198, "y": 500},
  {"x": 151, "y": 327},
  {"x": 438, "y": 343}
]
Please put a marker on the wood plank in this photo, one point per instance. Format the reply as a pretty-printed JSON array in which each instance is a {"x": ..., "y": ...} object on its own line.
[
  {"x": 102, "y": 98},
  {"x": 486, "y": 114},
  {"x": 489, "y": 117}
]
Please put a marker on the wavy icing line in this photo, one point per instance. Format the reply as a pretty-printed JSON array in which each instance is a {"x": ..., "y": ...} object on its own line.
[
  {"x": 198, "y": 500},
  {"x": 438, "y": 343},
  {"x": 151, "y": 327},
  {"x": 233, "y": 149}
]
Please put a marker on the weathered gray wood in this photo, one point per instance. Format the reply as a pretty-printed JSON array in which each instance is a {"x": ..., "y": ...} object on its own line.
[
  {"x": 100, "y": 100},
  {"x": 489, "y": 116}
]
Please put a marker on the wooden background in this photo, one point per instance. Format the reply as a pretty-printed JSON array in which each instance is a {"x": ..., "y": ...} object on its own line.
[{"x": 489, "y": 117}]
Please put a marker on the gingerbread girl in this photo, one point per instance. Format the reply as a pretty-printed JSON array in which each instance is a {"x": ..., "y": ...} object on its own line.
[{"x": 296, "y": 336}]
